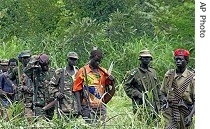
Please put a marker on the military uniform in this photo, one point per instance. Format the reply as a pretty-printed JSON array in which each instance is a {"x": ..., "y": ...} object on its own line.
[
  {"x": 134, "y": 84},
  {"x": 20, "y": 77},
  {"x": 41, "y": 82},
  {"x": 139, "y": 82},
  {"x": 188, "y": 97},
  {"x": 69, "y": 103}
]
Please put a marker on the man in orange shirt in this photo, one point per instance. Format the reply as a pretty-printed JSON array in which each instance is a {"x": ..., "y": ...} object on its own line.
[{"x": 92, "y": 90}]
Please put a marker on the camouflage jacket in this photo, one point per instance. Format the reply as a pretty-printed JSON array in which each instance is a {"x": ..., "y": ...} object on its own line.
[
  {"x": 22, "y": 81},
  {"x": 41, "y": 80},
  {"x": 69, "y": 103},
  {"x": 133, "y": 85}
]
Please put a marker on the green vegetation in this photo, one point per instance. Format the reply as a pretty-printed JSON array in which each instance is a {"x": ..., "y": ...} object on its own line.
[{"x": 120, "y": 28}]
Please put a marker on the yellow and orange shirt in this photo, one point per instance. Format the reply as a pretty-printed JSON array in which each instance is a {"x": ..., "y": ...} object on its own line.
[{"x": 96, "y": 84}]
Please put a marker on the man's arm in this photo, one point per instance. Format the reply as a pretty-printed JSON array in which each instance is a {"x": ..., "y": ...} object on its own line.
[{"x": 129, "y": 88}]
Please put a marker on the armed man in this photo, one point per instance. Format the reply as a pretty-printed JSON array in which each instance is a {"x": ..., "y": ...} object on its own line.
[
  {"x": 62, "y": 84},
  {"x": 18, "y": 75},
  {"x": 178, "y": 93},
  {"x": 7, "y": 87},
  {"x": 38, "y": 95},
  {"x": 142, "y": 81},
  {"x": 94, "y": 87}
]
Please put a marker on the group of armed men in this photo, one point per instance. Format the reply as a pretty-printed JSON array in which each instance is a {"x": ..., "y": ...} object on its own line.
[{"x": 85, "y": 91}]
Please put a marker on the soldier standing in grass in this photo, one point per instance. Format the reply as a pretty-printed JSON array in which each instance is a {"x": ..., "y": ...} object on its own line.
[
  {"x": 6, "y": 85},
  {"x": 90, "y": 89},
  {"x": 38, "y": 95},
  {"x": 17, "y": 74},
  {"x": 178, "y": 93},
  {"x": 142, "y": 85},
  {"x": 7, "y": 89},
  {"x": 68, "y": 104}
]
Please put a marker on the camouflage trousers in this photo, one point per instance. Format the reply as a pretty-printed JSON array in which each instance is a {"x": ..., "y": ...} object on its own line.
[{"x": 94, "y": 115}]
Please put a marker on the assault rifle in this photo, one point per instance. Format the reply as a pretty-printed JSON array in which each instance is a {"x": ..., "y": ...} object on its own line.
[{"x": 36, "y": 75}]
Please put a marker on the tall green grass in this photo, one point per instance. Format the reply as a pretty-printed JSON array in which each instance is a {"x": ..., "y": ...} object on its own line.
[{"x": 125, "y": 58}]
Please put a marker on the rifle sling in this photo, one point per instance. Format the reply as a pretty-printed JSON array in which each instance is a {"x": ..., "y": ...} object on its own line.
[{"x": 84, "y": 92}]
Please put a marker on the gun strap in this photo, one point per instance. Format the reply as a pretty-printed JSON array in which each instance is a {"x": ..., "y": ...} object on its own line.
[{"x": 86, "y": 92}]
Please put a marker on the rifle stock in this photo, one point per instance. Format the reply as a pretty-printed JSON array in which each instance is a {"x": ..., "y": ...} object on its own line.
[{"x": 51, "y": 104}]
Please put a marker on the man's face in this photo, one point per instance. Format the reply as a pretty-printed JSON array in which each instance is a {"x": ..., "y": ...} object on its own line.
[
  {"x": 95, "y": 61},
  {"x": 146, "y": 60},
  {"x": 45, "y": 66},
  {"x": 12, "y": 65},
  {"x": 25, "y": 60},
  {"x": 72, "y": 61},
  {"x": 4, "y": 68},
  {"x": 180, "y": 61}
]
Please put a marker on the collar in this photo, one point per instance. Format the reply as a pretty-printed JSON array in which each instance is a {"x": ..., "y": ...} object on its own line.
[
  {"x": 184, "y": 74},
  {"x": 145, "y": 70},
  {"x": 88, "y": 69}
]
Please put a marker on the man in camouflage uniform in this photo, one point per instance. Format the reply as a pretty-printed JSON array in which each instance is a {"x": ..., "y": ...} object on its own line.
[
  {"x": 18, "y": 75},
  {"x": 143, "y": 81},
  {"x": 178, "y": 93},
  {"x": 38, "y": 95},
  {"x": 68, "y": 103}
]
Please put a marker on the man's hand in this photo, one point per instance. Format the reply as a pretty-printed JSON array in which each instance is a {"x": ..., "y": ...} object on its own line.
[
  {"x": 137, "y": 94},
  {"x": 59, "y": 95},
  {"x": 14, "y": 87},
  {"x": 80, "y": 110},
  {"x": 2, "y": 93},
  {"x": 24, "y": 88},
  {"x": 110, "y": 80},
  {"x": 164, "y": 102},
  {"x": 188, "y": 120}
]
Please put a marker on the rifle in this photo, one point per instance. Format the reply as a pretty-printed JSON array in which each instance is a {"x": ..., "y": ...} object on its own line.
[
  {"x": 18, "y": 82},
  {"x": 61, "y": 90},
  {"x": 35, "y": 90},
  {"x": 49, "y": 105}
]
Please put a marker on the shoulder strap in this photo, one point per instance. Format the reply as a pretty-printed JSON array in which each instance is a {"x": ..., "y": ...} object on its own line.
[{"x": 86, "y": 93}]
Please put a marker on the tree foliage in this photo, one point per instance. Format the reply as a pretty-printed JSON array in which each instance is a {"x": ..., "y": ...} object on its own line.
[{"x": 120, "y": 28}]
